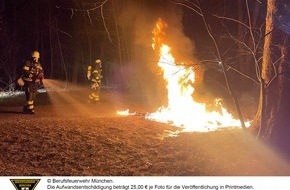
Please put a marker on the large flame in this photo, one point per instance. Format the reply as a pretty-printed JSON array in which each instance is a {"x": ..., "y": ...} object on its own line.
[{"x": 182, "y": 110}]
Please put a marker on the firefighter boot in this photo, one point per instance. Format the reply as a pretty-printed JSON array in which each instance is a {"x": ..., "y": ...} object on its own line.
[
  {"x": 27, "y": 111},
  {"x": 28, "y": 108}
]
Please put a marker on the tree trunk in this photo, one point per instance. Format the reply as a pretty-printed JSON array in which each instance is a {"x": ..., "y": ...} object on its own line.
[{"x": 273, "y": 120}]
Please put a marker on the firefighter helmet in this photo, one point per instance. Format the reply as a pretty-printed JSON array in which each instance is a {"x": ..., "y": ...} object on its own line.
[
  {"x": 98, "y": 61},
  {"x": 35, "y": 54}
]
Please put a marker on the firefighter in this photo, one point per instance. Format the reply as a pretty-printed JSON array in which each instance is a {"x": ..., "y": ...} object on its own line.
[
  {"x": 32, "y": 75},
  {"x": 94, "y": 75}
]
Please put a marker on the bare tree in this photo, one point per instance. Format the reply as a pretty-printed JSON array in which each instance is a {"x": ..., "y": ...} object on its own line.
[
  {"x": 248, "y": 40},
  {"x": 220, "y": 56},
  {"x": 272, "y": 119}
]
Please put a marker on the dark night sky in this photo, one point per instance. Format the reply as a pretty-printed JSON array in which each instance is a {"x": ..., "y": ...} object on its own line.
[{"x": 28, "y": 20}]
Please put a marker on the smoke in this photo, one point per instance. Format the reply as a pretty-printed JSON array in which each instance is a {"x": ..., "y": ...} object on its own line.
[{"x": 141, "y": 16}]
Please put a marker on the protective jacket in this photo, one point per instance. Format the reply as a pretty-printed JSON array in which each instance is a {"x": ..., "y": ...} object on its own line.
[
  {"x": 32, "y": 71},
  {"x": 95, "y": 74}
]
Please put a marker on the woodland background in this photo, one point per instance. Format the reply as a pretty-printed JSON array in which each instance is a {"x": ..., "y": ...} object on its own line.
[
  {"x": 72, "y": 34},
  {"x": 239, "y": 49}
]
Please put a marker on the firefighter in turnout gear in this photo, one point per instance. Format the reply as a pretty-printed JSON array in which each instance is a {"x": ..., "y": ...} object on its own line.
[
  {"x": 94, "y": 75},
  {"x": 32, "y": 75}
]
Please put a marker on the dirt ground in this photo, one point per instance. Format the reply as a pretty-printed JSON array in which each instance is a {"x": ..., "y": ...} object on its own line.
[{"x": 69, "y": 137}]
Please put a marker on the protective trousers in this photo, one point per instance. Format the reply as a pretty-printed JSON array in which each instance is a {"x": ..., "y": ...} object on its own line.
[
  {"x": 95, "y": 95},
  {"x": 30, "y": 94}
]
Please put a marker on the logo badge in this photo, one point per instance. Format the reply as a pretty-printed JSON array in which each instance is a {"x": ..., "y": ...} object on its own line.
[{"x": 25, "y": 184}]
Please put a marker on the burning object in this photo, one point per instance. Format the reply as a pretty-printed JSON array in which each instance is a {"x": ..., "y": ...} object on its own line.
[{"x": 182, "y": 111}]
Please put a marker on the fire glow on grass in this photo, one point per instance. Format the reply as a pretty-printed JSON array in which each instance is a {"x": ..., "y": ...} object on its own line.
[{"x": 182, "y": 110}]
